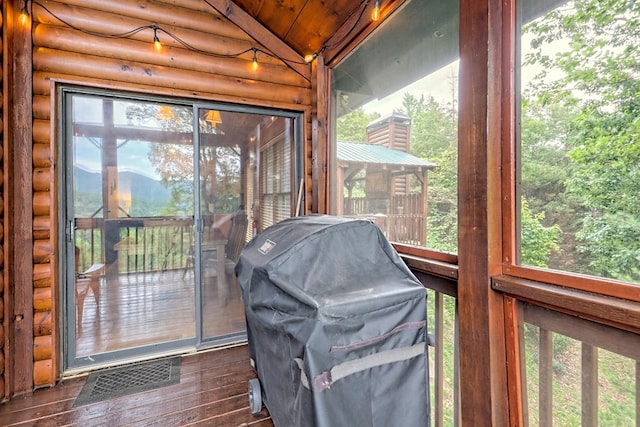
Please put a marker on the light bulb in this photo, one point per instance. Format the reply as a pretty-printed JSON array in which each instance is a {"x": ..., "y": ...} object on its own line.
[
  {"x": 375, "y": 14},
  {"x": 310, "y": 57},
  {"x": 254, "y": 65},
  {"x": 23, "y": 18},
  {"x": 156, "y": 41}
]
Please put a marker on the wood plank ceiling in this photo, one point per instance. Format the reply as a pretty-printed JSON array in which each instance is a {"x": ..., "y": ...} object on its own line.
[{"x": 304, "y": 25}]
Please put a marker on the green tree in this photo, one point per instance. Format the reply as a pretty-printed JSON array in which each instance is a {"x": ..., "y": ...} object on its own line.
[
  {"x": 434, "y": 138},
  {"x": 538, "y": 241},
  {"x": 594, "y": 70},
  {"x": 352, "y": 127}
]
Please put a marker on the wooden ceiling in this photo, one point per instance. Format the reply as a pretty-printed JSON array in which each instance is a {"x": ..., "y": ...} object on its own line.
[{"x": 304, "y": 25}]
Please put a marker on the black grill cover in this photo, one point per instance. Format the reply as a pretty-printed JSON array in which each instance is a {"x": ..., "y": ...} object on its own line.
[{"x": 336, "y": 325}]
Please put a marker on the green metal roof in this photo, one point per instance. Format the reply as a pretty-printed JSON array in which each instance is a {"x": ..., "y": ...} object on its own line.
[{"x": 352, "y": 152}]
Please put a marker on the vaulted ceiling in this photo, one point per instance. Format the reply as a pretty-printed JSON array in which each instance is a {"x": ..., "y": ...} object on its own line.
[{"x": 305, "y": 25}]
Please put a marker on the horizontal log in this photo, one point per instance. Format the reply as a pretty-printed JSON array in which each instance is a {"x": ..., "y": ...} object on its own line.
[
  {"x": 211, "y": 40},
  {"x": 121, "y": 17},
  {"x": 41, "y": 132},
  {"x": 42, "y": 324},
  {"x": 42, "y": 299},
  {"x": 42, "y": 275},
  {"x": 42, "y": 107},
  {"x": 42, "y": 85},
  {"x": 41, "y": 203},
  {"x": 41, "y": 227},
  {"x": 42, "y": 155},
  {"x": 42, "y": 179},
  {"x": 43, "y": 373},
  {"x": 130, "y": 72},
  {"x": 42, "y": 347},
  {"x": 1, "y": 363},
  {"x": 1, "y": 256},
  {"x": 42, "y": 251},
  {"x": 175, "y": 57}
]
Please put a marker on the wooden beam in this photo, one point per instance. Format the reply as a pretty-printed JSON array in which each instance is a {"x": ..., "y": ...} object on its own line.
[
  {"x": 481, "y": 315},
  {"x": 262, "y": 35},
  {"x": 19, "y": 193},
  {"x": 351, "y": 33}
]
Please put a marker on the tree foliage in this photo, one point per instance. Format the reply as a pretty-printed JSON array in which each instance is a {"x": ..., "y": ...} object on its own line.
[
  {"x": 589, "y": 55},
  {"x": 219, "y": 179},
  {"x": 352, "y": 127}
]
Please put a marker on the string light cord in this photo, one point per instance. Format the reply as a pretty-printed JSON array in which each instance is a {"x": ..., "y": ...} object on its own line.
[
  {"x": 360, "y": 13},
  {"x": 290, "y": 61},
  {"x": 157, "y": 29},
  {"x": 126, "y": 34}
]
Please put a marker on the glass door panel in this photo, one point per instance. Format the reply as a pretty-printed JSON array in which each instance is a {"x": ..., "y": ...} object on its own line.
[
  {"x": 246, "y": 182},
  {"x": 130, "y": 181},
  {"x": 160, "y": 199}
]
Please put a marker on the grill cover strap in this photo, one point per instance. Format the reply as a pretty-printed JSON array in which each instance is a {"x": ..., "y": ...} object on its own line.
[{"x": 326, "y": 379}]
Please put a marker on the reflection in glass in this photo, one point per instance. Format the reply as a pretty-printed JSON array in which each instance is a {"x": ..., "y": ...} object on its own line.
[{"x": 395, "y": 151}]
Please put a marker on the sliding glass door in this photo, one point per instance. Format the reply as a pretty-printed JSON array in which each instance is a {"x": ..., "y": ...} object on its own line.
[{"x": 159, "y": 199}]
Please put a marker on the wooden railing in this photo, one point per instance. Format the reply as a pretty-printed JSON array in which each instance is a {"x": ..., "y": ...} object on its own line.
[
  {"x": 578, "y": 355},
  {"x": 403, "y": 221},
  {"x": 442, "y": 322},
  {"x": 594, "y": 365},
  {"x": 135, "y": 245}
]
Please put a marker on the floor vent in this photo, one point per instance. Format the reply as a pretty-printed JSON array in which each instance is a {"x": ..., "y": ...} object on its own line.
[{"x": 112, "y": 383}]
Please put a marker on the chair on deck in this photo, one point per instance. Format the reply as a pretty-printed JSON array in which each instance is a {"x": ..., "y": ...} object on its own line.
[
  {"x": 236, "y": 240},
  {"x": 88, "y": 280}
]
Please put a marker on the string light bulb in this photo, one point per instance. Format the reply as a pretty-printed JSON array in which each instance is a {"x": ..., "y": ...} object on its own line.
[
  {"x": 156, "y": 41},
  {"x": 310, "y": 57},
  {"x": 375, "y": 14},
  {"x": 23, "y": 18},
  {"x": 254, "y": 65}
]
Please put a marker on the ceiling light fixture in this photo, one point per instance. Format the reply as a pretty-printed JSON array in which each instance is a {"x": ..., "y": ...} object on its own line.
[
  {"x": 164, "y": 113},
  {"x": 213, "y": 117}
]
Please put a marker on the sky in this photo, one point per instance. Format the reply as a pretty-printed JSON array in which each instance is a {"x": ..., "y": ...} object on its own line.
[{"x": 442, "y": 85}]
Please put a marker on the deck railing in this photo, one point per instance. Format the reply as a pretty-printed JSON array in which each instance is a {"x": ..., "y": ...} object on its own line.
[
  {"x": 135, "y": 245},
  {"x": 442, "y": 321},
  {"x": 403, "y": 220},
  {"x": 578, "y": 372}
]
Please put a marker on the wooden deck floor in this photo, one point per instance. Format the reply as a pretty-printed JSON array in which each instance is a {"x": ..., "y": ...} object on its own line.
[{"x": 212, "y": 392}]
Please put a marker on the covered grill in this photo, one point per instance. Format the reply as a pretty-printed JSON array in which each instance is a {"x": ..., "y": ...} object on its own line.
[{"x": 336, "y": 325}]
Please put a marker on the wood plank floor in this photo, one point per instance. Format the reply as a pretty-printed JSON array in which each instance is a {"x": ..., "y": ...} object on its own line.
[
  {"x": 212, "y": 392},
  {"x": 133, "y": 311}
]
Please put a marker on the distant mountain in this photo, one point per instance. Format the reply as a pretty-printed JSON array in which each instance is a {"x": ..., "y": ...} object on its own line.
[{"x": 143, "y": 189}]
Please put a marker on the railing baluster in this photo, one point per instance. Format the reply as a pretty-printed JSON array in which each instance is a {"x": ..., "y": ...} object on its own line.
[
  {"x": 545, "y": 386},
  {"x": 589, "y": 385},
  {"x": 439, "y": 362}
]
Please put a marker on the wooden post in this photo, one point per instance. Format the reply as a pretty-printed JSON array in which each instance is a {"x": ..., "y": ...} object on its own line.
[
  {"x": 19, "y": 163},
  {"x": 481, "y": 315}
]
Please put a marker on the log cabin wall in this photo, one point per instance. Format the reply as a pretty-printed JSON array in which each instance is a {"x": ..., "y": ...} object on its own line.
[{"x": 64, "y": 55}]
